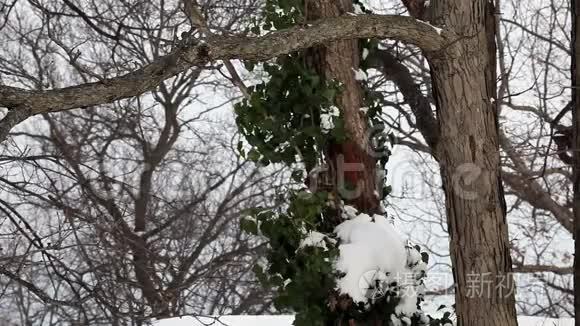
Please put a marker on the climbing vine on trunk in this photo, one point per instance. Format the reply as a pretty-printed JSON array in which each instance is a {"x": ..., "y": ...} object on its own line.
[{"x": 304, "y": 118}]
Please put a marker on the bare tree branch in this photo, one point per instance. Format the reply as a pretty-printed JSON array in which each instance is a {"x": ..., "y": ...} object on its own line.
[
  {"x": 192, "y": 53},
  {"x": 38, "y": 292},
  {"x": 543, "y": 269},
  {"x": 419, "y": 104}
]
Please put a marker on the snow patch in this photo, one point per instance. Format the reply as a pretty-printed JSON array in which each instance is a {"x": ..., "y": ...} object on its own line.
[
  {"x": 365, "y": 53},
  {"x": 327, "y": 118},
  {"x": 349, "y": 212},
  {"x": 437, "y": 29},
  {"x": 360, "y": 75},
  {"x": 286, "y": 320},
  {"x": 369, "y": 244},
  {"x": 314, "y": 239}
]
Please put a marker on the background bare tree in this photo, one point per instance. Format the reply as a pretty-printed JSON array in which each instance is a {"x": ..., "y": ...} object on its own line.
[{"x": 121, "y": 213}]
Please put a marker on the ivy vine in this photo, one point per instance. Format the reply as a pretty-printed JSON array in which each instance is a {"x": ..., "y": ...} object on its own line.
[{"x": 282, "y": 121}]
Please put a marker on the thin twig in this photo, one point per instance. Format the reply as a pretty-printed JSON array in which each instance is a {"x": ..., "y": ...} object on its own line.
[{"x": 191, "y": 9}]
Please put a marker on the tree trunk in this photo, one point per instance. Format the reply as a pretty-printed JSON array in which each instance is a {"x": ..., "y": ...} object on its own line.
[
  {"x": 575, "y": 5},
  {"x": 352, "y": 167},
  {"x": 464, "y": 82}
]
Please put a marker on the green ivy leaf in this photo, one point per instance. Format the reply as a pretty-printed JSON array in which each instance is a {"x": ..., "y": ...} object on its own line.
[
  {"x": 249, "y": 226},
  {"x": 253, "y": 155}
]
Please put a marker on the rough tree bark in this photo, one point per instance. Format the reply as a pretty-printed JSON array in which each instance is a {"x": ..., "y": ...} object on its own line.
[
  {"x": 467, "y": 148},
  {"x": 464, "y": 79},
  {"x": 352, "y": 167}
]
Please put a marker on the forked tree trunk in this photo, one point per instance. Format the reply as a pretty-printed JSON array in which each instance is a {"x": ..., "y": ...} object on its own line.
[{"x": 464, "y": 81}]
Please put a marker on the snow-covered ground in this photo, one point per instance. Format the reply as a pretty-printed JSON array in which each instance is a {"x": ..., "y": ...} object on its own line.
[{"x": 286, "y": 320}]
